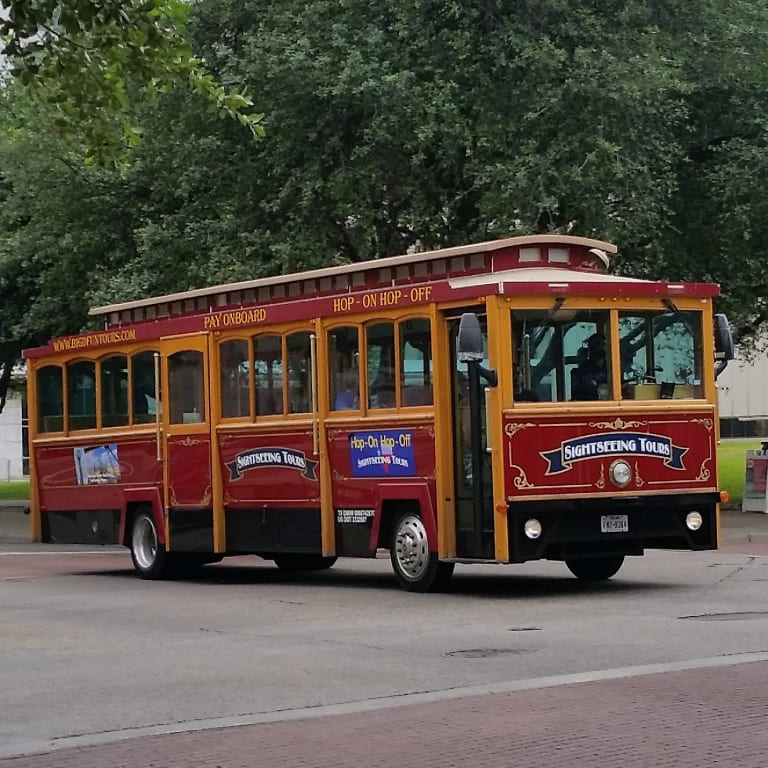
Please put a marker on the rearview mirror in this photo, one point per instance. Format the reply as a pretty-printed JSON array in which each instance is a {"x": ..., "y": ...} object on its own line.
[
  {"x": 724, "y": 349},
  {"x": 469, "y": 344}
]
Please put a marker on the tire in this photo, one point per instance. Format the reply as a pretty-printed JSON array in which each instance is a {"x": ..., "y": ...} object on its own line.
[
  {"x": 295, "y": 562},
  {"x": 416, "y": 568},
  {"x": 150, "y": 560},
  {"x": 595, "y": 568}
]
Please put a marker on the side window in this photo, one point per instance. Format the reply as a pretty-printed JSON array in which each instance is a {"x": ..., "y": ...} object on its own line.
[
  {"x": 416, "y": 362},
  {"x": 299, "y": 372},
  {"x": 114, "y": 391},
  {"x": 343, "y": 368},
  {"x": 144, "y": 400},
  {"x": 81, "y": 389},
  {"x": 50, "y": 399},
  {"x": 235, "y": 381},
  {"x": 380, "y": 355},
  {"x": 186, "y": 376},
  {"x": 268, "y": 373}
]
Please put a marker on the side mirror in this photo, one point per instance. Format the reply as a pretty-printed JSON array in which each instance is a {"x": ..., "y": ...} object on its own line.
[
  {"x": 469, "y": 347},
  {"x": 469, "y": 344},
  {"x": 724, "y": 349}
]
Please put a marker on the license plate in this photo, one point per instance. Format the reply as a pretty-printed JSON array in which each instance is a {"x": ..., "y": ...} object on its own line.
[{"x": 614, "y": 524}]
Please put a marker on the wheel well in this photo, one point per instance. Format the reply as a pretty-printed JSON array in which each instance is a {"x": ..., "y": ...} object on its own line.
[
  {"x": 132, "y": 510},
  {"x": 391, "y": 509}
]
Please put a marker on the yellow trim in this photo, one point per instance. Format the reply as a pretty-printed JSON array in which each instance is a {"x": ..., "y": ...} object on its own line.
[
  {"x": 500, "y": 359},
  {"x": 327, "y": 517},
  {"x": 214, "y": 414},
  {"x": 444, "y": 463},
  {"x": 197, "y": 342}
]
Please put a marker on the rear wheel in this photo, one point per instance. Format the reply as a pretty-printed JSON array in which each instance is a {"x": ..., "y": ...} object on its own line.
[
  {"x": 595, "y": 568},
  {"x": 293, "y": 562},
  {"x": 150, "y": 559},
  {"x": 416, "y": 568}
]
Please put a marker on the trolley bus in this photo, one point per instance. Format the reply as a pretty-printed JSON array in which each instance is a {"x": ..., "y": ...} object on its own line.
[{"x": 500, "y": 402}]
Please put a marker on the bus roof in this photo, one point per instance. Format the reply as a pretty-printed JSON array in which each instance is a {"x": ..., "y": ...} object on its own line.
[{"x": 571, "y": 252}]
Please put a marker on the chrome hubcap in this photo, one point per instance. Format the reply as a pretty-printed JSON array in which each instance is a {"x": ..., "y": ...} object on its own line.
[
  {"x": 144, "y": 543},
  {"x": 411, "y": 548}
]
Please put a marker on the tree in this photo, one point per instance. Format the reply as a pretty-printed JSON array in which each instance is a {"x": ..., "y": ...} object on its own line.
[
  {"x": 85, "y": 58},
  {"x": 430, "y": 123},
  {"x": 396, "y": 126}
]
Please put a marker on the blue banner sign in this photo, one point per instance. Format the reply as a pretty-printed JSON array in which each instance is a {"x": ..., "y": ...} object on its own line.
[
  {"x": 614, "y": 444},
  {"x": 383, "y": 453}
]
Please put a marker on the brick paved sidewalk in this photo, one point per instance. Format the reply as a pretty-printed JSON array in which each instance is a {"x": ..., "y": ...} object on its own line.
[{"x": 698, "y": 718}]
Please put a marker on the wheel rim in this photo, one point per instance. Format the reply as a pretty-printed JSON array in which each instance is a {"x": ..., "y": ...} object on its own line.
[
  {"x": 144, "y": 543},
  {"x": 411, "y": 548}
]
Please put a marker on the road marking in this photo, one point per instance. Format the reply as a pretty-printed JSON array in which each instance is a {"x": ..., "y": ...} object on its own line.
[{"x": 61, "y": 553}]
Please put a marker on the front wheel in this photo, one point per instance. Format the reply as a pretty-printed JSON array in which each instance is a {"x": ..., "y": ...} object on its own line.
[
  {"x": 416, "y": 568},
  {"x": 150, "y": 560},
  {"x": 595, "y": 568}
]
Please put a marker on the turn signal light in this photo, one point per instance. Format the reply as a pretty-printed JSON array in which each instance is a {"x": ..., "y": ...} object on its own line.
[{"x": 724, "y": 497}]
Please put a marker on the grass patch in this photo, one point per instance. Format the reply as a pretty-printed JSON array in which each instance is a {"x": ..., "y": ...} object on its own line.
[
  {"x": 16, "y": 490},
  {"x": 732, "y": 466}
]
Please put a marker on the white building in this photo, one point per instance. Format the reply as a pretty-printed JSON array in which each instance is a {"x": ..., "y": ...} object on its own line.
[
  {"x": 743, "y": 397},
  {"x": 12, "y": 449}
]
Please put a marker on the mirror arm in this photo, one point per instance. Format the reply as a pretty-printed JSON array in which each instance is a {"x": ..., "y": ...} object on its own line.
[{"x": 490, "y": 376}]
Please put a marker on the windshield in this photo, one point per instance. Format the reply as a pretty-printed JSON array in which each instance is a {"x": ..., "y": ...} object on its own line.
[
  {"x": 561, "y": 355},
  {"x": 661, "y": 354},
  {"x": 565, "y": 354}
]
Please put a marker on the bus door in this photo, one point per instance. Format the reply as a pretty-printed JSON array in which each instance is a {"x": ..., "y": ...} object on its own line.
[
  {"x": 473, "y": 480},
  {"x": 187, "y": 441}
]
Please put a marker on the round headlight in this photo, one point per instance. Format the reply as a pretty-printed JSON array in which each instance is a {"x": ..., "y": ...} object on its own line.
[
  {"x": 694, "y": 521},
  {"x": 620, "y": 473},
  {"x": 532, "y": 528}
]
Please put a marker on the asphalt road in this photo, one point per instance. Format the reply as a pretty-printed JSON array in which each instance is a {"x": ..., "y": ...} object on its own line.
[{"x": 91, "y": 655}]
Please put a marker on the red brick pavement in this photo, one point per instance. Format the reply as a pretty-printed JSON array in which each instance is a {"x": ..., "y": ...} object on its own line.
[{"x": 714, "y": 716}]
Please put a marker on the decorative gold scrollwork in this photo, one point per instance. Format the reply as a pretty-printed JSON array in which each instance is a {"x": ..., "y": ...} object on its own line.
[
  {"x": 703, "y": 472},
  {"x": 601, "y": 480},
  {"x": 617, "y": 423},
  {"x": 188, "y": 442},
  {"x": 521, "y": 481},
  {"x": 708, "y": 424},
  {"x": 639, "y": 482},
  {"x": 514, "y": 427}
]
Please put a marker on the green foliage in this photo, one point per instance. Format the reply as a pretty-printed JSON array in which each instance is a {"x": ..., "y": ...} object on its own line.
[
  {"x": 391, "y": 126},
  {"x": 83, "y": 59}
]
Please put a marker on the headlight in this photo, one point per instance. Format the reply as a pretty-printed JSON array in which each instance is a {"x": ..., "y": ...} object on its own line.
[
  {"x": 620, "y": 473},
  {"x": 532, "y": 528},
  {"x": 694, "y": 521}
]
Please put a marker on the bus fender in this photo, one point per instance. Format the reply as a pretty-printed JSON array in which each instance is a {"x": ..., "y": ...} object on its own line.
[
  {"x": 135, "y": 497},
  {"x": 418, "y": 492}
]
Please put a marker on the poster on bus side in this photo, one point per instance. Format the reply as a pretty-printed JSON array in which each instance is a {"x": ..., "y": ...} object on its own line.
[{"x": 97, "y": 465}]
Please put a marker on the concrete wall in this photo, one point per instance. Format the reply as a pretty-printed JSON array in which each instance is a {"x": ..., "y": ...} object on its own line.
[{"x": 11, "y": 452}]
